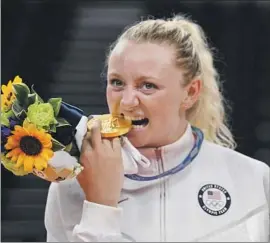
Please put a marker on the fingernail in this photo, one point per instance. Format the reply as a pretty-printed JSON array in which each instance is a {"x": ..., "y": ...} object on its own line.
[
  {"x": 96, "y": 123},
  {"x": 90, "y": 117}
]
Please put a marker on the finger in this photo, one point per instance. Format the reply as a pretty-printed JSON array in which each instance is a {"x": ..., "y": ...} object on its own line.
[
  {"x": 95, "y": 134},
  {"x": 86, "y": 147},
  {"x": 107, "y": 142},
  {"x": 86, "y": 142},
  {"x": 79, "y": 177},
  {"x": 90, "y": 117},
  {"x": 116, "y": 143}
]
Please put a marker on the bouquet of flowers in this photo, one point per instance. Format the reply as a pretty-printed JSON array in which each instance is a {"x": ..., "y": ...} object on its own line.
[
  {"x": 45, "y": 138},
  {"x": 34, "y": 133}
]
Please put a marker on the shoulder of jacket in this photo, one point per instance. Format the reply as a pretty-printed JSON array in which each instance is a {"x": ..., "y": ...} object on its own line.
[{"x": 234, "y": 159}]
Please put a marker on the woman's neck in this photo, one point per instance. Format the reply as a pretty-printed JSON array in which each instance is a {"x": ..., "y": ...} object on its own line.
[
  {"x": 174, "y": 136},
  {"x": 183, "y": 145}
]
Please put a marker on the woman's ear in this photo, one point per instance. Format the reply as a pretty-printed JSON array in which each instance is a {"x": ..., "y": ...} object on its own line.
[{"x": 192, "y": 92}]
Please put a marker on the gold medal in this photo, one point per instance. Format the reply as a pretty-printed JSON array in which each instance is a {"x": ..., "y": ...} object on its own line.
[{"x": 111, "y": 125}]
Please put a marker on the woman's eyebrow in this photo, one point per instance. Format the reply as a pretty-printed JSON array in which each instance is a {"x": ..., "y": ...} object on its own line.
[
  {"x": 114, "y": 74},
  {"x": 139, "y": 77},
  {"x": 147, "y": 77}
]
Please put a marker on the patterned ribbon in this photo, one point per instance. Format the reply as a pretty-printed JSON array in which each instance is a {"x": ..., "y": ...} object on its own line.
[{"x": 198, "y": 134}]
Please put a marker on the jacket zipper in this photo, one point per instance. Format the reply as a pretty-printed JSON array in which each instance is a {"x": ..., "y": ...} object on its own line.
[{"x": 162, "y": 197}]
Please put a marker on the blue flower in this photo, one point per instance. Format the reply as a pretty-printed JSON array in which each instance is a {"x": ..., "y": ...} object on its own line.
[
  {"x": 12, "y": 123},
  {"x": 6, "y": 132}
]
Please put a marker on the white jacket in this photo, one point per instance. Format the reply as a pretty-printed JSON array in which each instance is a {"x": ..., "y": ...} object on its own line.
[{"x": 221, "y": 196}]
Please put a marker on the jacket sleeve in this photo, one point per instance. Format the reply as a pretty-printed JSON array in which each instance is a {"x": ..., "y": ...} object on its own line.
[
  {"x": 266, "y": 182},
  {"x": 98, "y": 223}
]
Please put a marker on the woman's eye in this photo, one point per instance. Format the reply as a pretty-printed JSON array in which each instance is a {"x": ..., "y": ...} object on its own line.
[
  {"x": 116, "y": 82},
  {"x": 148, "y": 86}
]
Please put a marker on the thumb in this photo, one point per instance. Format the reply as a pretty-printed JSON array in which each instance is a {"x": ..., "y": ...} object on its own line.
[{"x": 86, "y": 142}]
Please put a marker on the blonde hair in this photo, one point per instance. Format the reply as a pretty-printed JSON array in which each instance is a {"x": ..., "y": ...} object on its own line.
[{"x": 195, "y": 58}]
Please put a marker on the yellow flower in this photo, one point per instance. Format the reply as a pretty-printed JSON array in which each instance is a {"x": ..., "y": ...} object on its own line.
[
  {"x": 7, "y": 96},
  {"x": 30, "y": 147}
]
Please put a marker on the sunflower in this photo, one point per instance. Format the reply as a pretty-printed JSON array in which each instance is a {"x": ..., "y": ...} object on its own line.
[
  {"x": 30, "y": 147},
  {"x": 8, "y": 96}
]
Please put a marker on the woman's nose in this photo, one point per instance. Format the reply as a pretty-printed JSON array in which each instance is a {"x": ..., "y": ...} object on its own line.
[{"x": 129, "y": 99}]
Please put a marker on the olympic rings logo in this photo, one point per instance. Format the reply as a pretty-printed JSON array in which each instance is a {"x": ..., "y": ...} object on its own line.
[{"x": 217, "y": 204}]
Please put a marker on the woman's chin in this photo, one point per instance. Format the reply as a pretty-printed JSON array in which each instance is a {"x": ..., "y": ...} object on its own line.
[
  {"x": 137, "y": 135},
  {"x": 137, "y": 140}
]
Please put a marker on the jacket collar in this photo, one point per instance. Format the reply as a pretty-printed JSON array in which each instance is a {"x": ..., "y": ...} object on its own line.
[{"x": 169, "y": 155}]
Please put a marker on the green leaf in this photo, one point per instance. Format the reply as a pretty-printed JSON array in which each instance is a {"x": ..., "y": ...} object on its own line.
[
  {"x": 22, "y": 115},
  {"x": 32, "y": 98},
  {"x": 57, "y": 146},
  {"x": 55, "y": 122},
  {"x": 52, "y": 128},
  {"x": 56, "y": 104},
  {"x": 68, "y": 147},
  {"x": 10, "y": 114},
  {"x": 62, "y": 122},
  {"x": 21, "y": 91},
  {"x": 38, "y": 98},
  {"x": 17, "y": 109},
  {"x": 5, "y": 117},
  {"x": 4, "y": 120}
]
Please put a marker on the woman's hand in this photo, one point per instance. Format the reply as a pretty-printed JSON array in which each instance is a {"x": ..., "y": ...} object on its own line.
[{"x": 102, "y": 177}]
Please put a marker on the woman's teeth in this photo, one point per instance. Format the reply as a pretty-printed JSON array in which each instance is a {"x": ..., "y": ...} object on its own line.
[
  {"x": 138, "y": 122},
  {"x": 138, "y": 126},
  {"x": 134, "y": 118}
]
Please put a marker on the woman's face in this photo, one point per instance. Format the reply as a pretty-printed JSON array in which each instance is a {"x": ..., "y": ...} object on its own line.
[{"x": 145, "y": 85}]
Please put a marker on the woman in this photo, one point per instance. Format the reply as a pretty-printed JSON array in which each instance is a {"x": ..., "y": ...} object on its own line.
[{"x": 195, "y": 187}]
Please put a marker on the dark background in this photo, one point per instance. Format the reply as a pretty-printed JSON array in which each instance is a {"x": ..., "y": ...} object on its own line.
[{"x": 60, "y": 47}]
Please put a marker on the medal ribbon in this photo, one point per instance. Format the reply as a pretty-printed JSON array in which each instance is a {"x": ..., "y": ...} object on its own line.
[{"x": 190, "y": 157}]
